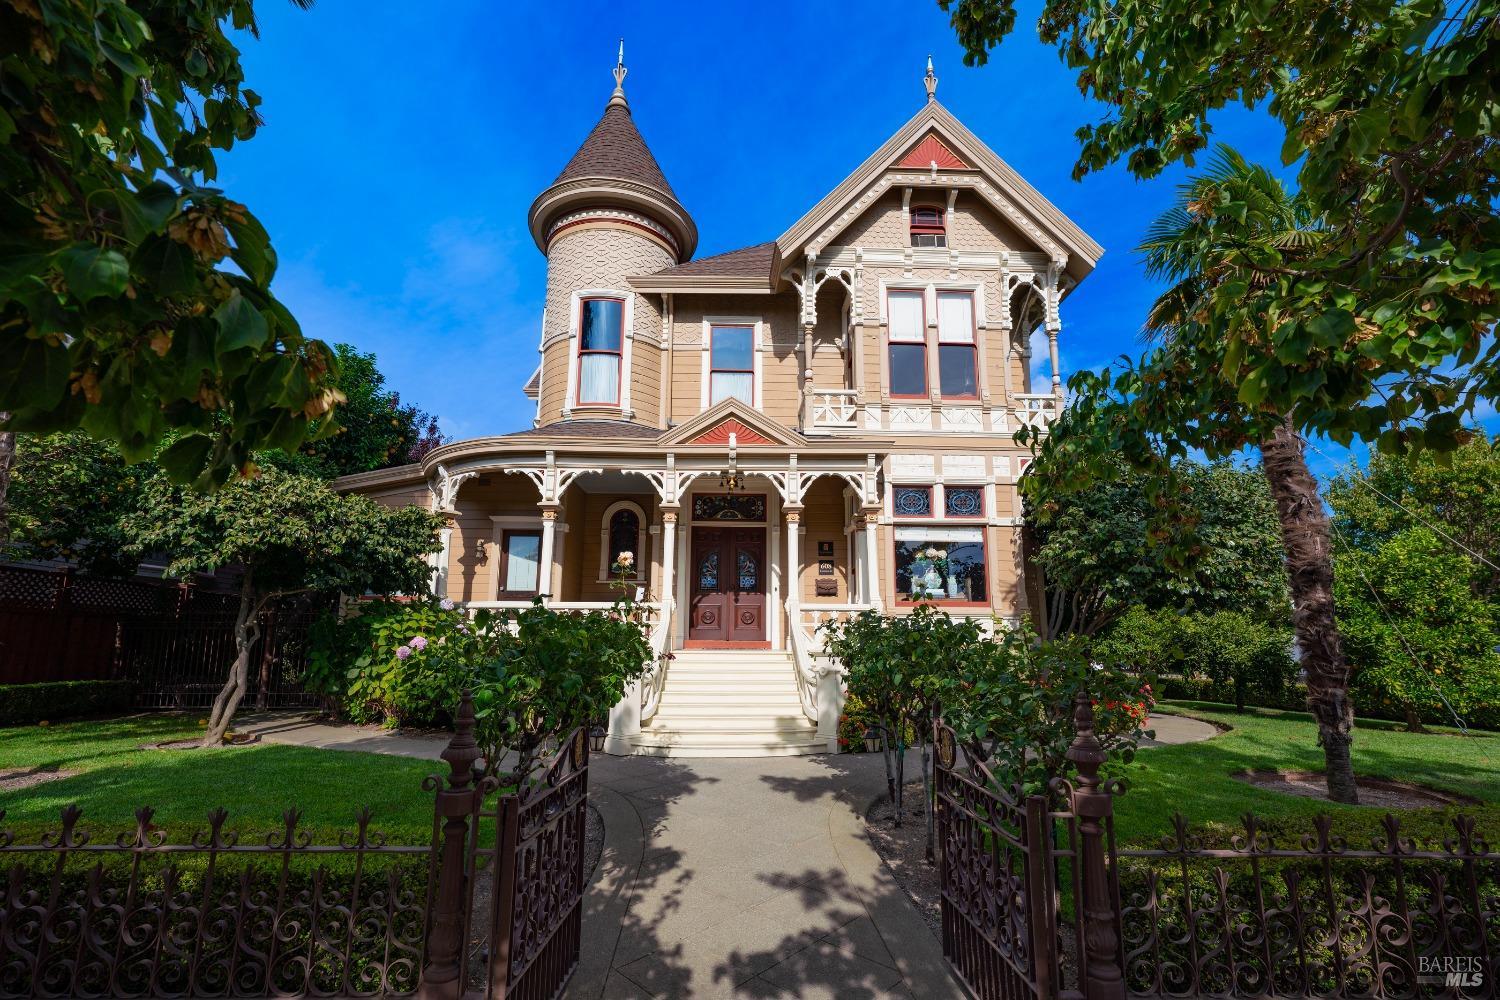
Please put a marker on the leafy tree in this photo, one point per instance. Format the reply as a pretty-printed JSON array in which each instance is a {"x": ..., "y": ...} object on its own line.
[
  {"x": 1238, "y": 653},
  {"x": 1460, "y": 498},
  {"x": 1382, "y": 326},
  {"x": 1099, "y": 558},
  {"x": 134, "y": 297},
  {"x": 1010, "y": 705},
  {"x": 1422, "y": 642},
  {"x": 555, "y": 671},
  {"x": 287, "y": 534},
  {"x": 1190, "y": 392},
  {"x": 68, "y": 497},
  {"x": 375, "y": 431},
  {"x": 898, "y": 666}
]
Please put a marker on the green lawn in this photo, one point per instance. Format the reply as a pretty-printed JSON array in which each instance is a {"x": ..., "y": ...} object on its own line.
[
  {"x": 257, "y": 783},
  {"x": 1194, "y": 779}
]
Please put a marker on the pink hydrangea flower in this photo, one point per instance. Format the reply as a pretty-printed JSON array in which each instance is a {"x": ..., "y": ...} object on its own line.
[
  {"x": 418, "y": 642},
  {"x": 402, "y": 652}
]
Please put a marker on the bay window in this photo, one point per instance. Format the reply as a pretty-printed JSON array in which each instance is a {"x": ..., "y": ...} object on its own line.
[
  {"x": 731, "y": 365},
  {"x": 601, "y": 337},
  {"x": 908, "y": 343},
  {"x": 958, "y": 367},
  {"x": 940, "y": 564}
]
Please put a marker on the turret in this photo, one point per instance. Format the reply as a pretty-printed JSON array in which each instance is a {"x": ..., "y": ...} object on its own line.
[{"x": 608, "y": 216}]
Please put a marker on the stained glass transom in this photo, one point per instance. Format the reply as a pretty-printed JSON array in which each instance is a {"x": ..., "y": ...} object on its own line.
[
  {"x": 963, "y": 501},
  {"x": 914, "y": 501},
  {"x": 720, "y": 507}
]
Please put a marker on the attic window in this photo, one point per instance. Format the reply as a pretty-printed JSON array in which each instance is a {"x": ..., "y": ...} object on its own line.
[{"x": 927, "y": 229}]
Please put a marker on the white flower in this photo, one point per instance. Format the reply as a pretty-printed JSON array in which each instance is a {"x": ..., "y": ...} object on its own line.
[
  {"x": 625, "y": 560},
  {"x": 942, "y": 553}
]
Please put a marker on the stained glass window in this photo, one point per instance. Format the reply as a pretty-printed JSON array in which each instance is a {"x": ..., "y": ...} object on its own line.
[
  {"x": 913, "y": 501},
  {"x": 708, "y": 572},
  {"x": 963, "y": 501},
  {"x": 748, "y": 570},
  {"x": 719, "y": 507}
]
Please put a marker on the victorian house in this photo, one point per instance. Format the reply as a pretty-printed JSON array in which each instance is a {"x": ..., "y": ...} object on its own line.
[{"x": 778, "y": 435}]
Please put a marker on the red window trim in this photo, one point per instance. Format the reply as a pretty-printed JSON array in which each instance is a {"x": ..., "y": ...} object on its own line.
[
  {"x": 889, "y": 343},
  {"x": 931, "y": 509},
  {"x": 939, "y": 228},
  {"x": 504, "y": 564},
  {"x": 619, "y": 355},
  {"x": 964, "y": 517},
  {"x": 713, "y": 369},
  {"x": 973, "y": 344},
  {"x": 984, "y": 543}
]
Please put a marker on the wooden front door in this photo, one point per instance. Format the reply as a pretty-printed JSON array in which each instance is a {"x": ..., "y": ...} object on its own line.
[{"x": 728, "y": 586}]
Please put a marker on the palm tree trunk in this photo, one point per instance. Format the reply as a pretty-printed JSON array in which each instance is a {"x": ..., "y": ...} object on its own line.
[{"x": 1307, "y": 542}]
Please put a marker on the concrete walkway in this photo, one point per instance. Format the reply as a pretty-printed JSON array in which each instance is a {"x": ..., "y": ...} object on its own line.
[{"x": 731, "y": 876}]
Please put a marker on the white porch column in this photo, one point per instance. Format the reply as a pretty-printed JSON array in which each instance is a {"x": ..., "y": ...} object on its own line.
[
  {"x": 439, "y": 561},
  {"x": 549, "y": 539},
  {"x": 625, "y": 716},
  {"x": 668, "y": 557},
  {"x": 792, "y": 591},
  {"x": 872, "y": 556}
]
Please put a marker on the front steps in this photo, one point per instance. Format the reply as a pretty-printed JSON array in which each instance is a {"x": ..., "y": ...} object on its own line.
[{"x": 729, "y": 703}]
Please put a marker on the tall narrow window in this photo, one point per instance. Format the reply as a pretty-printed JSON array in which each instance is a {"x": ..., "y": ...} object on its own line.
[
  {"x": 731, "y": 364},
  {"x": 520, "y": 561},
  {"x": 600, "y": 340},
  {"x": 625, "y": 536},
  {"x": 908, "y": 350},
  {"x": 927, "y": 229},
  {"x": 958, "y": 368}
]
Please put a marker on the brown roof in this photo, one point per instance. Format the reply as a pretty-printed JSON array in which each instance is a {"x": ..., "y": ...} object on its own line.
[
  {"x": 592, "y": 429},
  {"x": 745, "y": 262},
  {"x": 615, "y": 149}
]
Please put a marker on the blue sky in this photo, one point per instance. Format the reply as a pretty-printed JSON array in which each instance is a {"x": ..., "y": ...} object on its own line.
[{"x": 402, "y": 150}]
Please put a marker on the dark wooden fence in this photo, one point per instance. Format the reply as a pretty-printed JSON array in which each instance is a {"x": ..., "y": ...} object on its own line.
[
  {"x": 1038, "y": 901},
  {"x": 282, "y": 916},
  {"x": 175, "y": 643}
]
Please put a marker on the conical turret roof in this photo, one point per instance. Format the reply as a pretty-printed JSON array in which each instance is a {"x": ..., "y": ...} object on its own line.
[
  {"x": 614, "y": 169},
  {"x": 615, "y": 149}
]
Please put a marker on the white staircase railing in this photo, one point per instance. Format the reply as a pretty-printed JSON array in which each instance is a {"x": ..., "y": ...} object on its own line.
[
  {"x": 820, "y": 678},
  {"x": 655, "y": 680}
]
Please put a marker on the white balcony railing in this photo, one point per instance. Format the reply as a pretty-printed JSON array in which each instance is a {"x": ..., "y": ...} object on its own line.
[
  {"x": 1035, "y": 409},
  {"x": 835, "y": 408}
]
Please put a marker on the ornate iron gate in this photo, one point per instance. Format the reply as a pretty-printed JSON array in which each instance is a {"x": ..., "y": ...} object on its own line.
[
  {"x": 1037, "y": 901},
  {"x": 994, "y": 876}
]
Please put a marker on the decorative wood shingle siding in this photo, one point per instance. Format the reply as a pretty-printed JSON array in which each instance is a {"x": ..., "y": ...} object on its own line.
[{"x": 600, "y": 257}]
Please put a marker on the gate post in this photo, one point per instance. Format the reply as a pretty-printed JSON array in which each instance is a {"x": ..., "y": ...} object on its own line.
[
  {"x": 1100, "y": 974},
  {"x": 447, "y": 919}
]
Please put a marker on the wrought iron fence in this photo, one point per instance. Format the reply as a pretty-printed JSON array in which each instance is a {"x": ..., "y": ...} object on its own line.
[
  {"x": 1038, "y": 901},
  {"x": 220, "y": 916},
  {"x": 183, "y": 661}
]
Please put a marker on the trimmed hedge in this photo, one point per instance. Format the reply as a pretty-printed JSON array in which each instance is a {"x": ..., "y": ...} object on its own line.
[{"x": 25, "y": 704}]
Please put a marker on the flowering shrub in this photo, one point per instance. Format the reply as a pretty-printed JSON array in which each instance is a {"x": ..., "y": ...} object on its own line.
[
  {"x": 1131, "y": 715},
  {"x": 401, "y": 663}
]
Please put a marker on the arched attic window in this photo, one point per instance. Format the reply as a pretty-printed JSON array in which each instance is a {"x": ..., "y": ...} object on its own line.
[
  {"x": 928, "y": 227},
  {"x": 623, "y": 529}
]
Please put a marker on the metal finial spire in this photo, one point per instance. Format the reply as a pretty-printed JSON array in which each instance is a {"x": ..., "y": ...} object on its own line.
[
  {"x": 619, "y": 71},
  {"x": 930, "y": 81}
]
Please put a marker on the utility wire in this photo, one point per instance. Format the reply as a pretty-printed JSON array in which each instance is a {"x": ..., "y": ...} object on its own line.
[
  {"x": 1391, "y": 621},
  {"x": 1363, "y": 481}
]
